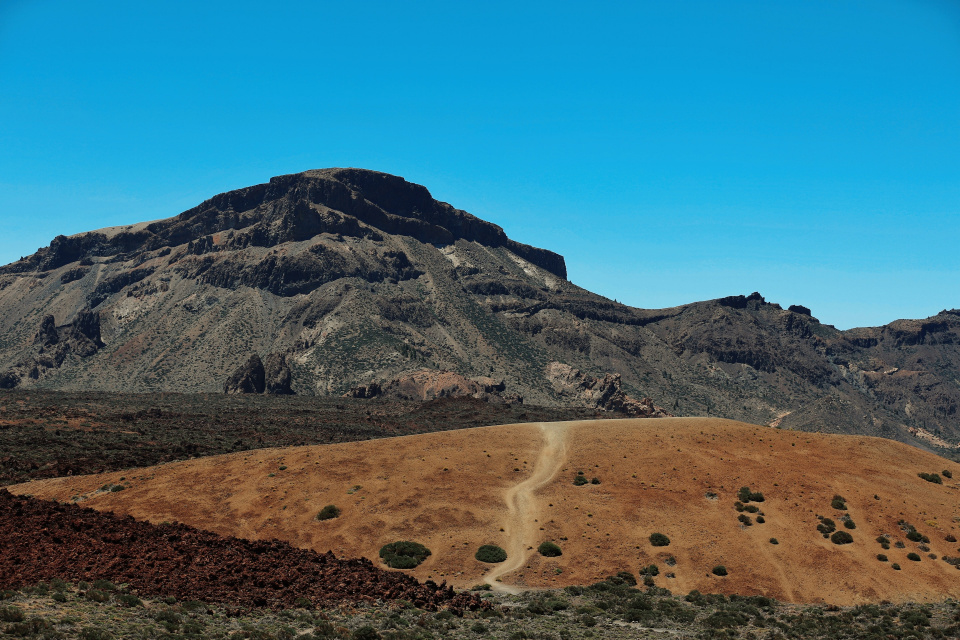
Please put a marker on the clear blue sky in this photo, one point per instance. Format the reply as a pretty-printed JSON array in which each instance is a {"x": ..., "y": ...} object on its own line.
[{"x": 671, "y": 151}]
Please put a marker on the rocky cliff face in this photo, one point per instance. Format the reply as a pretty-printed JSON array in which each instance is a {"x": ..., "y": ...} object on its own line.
[{"x": 362, "y": 280}]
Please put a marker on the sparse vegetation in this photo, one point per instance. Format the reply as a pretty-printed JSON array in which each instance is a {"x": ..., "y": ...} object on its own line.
[
  {"x": 549, "y": 549},
  {"x": 946, "y": 473},
  {"x": 490, "y": 553},
  {"x": 826, "y": 526},
  {"x": 329, "y": 512},
  {"x": 579, "y": 480},
  {"x": 403, "y": 554},
  {"x": 745, "y": 495},
  {"x": 719, "y": 570},
  {"x": 659, "y": 540},
  {"x": 931, "y": 477},
  {"x": 838, "y": 502}
]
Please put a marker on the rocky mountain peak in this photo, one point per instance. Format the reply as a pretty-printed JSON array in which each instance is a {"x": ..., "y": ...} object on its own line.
[{"x": 292, "y": 208}]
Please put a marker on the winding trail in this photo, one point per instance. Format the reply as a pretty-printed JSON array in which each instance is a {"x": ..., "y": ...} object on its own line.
[{"x": 521, "y": 529}]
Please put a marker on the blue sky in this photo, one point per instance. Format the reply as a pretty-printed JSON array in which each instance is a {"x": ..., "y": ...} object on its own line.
[{"x": 671, "y": 151}]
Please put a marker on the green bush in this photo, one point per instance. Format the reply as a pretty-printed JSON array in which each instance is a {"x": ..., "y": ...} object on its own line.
[
  {"x": 329, "y": 512},
  {"x": 826, "y": 526},
  {"x": 895, "y": 566},
  {"x": 774, "y": 541},
  {"x": 366, "y": 632},
  {"x": 881, "y": 557},
  {"x": 129, "y": 600},
  {"x": 579, "y": 481},
  {"x": 931, "y": 477},
  {"x": 549, "y": 550},
  {"x": 751, "y": 508},
  {"x": 403, "y": 554},
  {"x": 96, "y": 595},
  {"x": 104, "y": 585},
  {"x": 738, "y": 506},
  {"x": 11, "y": 614},
  {"x": 719, "y": 570},
  {"x": 761, "y": 520},
  {"x": 745, "y": 519},
  {"x": 651, "y": 570},
  {"x": 913, "y": 556},
  {"x": 490, "y": 553},
  {"x": 914, "y": 536},
  {"x": 841, "y": 537},
  {"x": 659, "y": 540},
  {"x": 946, "y": 473},
  {"x": 595, "y": 481},
  {"x": 849, "y": 523},
  {"x": 838, "y": 502}
]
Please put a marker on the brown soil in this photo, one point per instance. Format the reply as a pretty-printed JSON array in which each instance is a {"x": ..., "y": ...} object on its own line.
[
  {"x": 42, "y": 540},
  {"x": 513, "y": 486}
]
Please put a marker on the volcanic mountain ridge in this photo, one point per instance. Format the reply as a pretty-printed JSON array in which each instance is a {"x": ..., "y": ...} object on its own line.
[{"x": 350, "y": 279}]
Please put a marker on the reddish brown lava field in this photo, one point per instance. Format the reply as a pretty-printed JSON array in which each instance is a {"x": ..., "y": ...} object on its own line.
[{"x": 42, "y": 540}]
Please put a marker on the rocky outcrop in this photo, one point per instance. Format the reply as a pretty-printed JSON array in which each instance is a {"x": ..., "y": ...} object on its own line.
[
  {"x": 256, "y": 376},
  {"x": 603, "y": 393},
  {"x": 47, "y": 333},
  {"x": 428, "y": 384},
  {"x": 277, "y": 375},
  {"x": 248, "y": 377}
]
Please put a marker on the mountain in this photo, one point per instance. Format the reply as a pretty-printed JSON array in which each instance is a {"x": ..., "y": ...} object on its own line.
[{"x": 347, "y": 281}]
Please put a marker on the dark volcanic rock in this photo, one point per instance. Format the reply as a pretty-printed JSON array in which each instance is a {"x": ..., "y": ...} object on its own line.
[
  {"x": 799, "y": 308},
  {"x": 41, "y": 540},
  {"x": 277, "y": 374},
  {"x": 603, "y": 393},
  {"x": 47, "y": 334},
  {"x": 248, "y": 378},
  {"x": 9, "y": 380},
  {"x": 427, "y": 385}
]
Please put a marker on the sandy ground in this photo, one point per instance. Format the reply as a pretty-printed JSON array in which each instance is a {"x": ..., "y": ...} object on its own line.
[{"x": 512, "y": 486}]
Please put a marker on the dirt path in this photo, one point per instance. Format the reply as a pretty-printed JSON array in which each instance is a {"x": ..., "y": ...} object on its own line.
[{"x": 521, "y": 528}]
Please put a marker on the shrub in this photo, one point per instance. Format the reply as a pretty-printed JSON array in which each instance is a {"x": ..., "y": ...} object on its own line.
[
  {"x": 719, "y": 570},
  {"x": 96, "y": 595},
  {"x": 549, "y": 550},
  {"x": 595, "y": 481},
  {"x": 849, "y": 524},
  {"x": 838, "y": 502},
  {"x": 896, "y": 567},
  {"x": 403, "y": 554},
  {"x": 651, "y": 570},
  {"x": 946, "y": 473},
  {"x": 931, "y": 477},
  {"x": 760, "y": 520},
  {"x": 950, "y": 538},
  {"x": 329, "y": 512},
  {"x": 841, "y": 537},
  {"x": 745, "y": 519},
  {"x": 11, "y": 614},
  {"x": 774, "y": 541},
  {"x": 659, "y": 540},
  {"x": 738, "y": 506},
  {"x": 746, "y": 495},
  {"x": 579, "y": 481},
  {"x": 104, "y": 585},
  {"x": 881, "y": 557},
  {"x": 366, "y": 632},
  {"x": 129, "y": 600},
  {"x": 913, "y": 556},
  {"x": 914, "y": 536},
  {"x": 751, "y": 508},
  {"x": 826, "y": 526},
  {"x": 490, "y": 553}
]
